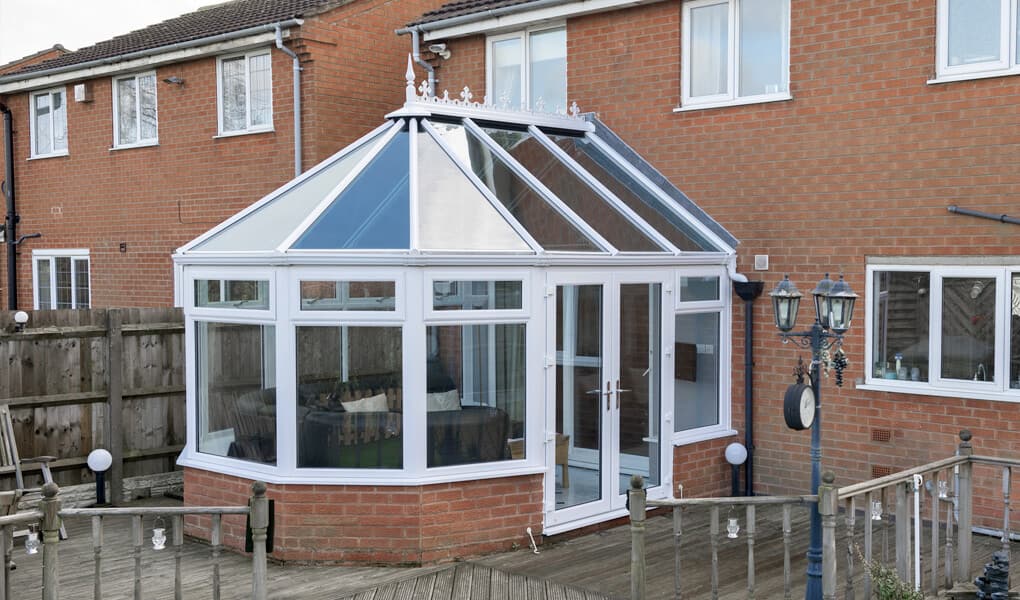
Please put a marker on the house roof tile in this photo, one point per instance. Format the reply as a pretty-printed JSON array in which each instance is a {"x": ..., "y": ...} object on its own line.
[
  {"x": 219, "y": 19},
  {"x": 465, "y": 7}
]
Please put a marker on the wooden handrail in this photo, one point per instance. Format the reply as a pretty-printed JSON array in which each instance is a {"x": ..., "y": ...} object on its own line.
[
  {"x": 735, "y": 501},
  {"x": 154, "y": 510},
  {"x": 906, "y": 475}
]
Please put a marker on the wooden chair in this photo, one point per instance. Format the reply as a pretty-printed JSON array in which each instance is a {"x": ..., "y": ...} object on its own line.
[{"x": 9, "y": 460}]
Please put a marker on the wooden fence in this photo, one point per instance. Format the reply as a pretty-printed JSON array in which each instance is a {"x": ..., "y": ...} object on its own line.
[{"x": 77, "y": 380}]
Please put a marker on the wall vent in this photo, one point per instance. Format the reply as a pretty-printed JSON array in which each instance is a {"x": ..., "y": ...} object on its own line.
[
  {"x": 881, "y": 435},
  {"x": 880, "y": 471}
]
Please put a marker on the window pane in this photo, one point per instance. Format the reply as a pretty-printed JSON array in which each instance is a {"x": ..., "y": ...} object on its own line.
[
  {"x": 261, "y": 90},
  {"x": 506, "y": 72},
  {"x": 81, "y": 283},
  {"x": 763, "y": 35},
  {"x": 901, "y": 308},
  {"x": 43, "y": 283},
  {"x": 348, "y": 295},
  {"x": 232, "y": 293},
  {"x": 63, "y": 272},
  {"x": 696, "y": 375},
  {"x": 147, "y": 104},
  {"x": 709, "y": 50},
  {"x": 236, "y": 403},
  {"x": 233, "y": 100},
  {"x": 59, "y": 121},
  {"x": 968, "y": 328},
  {"x": 475, "y": 392},
  {"x": 477, "y": 295},
  {"x": 1014, "y": 333},
  {"x": 548, "y": 78},
  {"x": 350, "y": 402},
  {"x": 695, "y": 289},
  {"x": 974, "y": 31},
  {"x": 127, "y": 114},
  {"x": 43, "y": 132}
]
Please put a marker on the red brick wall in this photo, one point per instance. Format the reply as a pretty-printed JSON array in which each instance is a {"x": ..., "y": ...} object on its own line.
[
  {"x": 379, "y": 524},
  {"x": 862, "y": 162}
]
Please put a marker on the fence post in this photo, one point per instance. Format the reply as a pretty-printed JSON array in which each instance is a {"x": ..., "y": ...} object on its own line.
[
  {"x": 115, "y": 402},
  {"x": 636, "y": 500},
  {"x": 966, "y": 508},
  {"x": 50, "y": 507},
  {"x": 827, "y": 508},
  {"x": 259, "y": 506}
]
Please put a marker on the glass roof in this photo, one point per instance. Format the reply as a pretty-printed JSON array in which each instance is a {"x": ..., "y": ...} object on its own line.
[{"x": 430, "y": 182}]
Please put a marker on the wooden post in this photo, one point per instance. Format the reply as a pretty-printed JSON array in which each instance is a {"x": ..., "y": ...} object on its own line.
[
  {"x": 902, "y": 533},
  {"x": 7, "y": 540},
  {"x": 749, "y": 515},
  {"x": 259, "y": 527},
  {"x": 678, "y": 532},
  {"x": 965, "y": 508},
  {"x": 851, "y": 521},
  {"x": 97, "y": 556},
  {"x": 50, "y": 507},
  {"x": 115, "y": 406},
  {"x": 636, "y": 496},
  {"x": 178, "y": 525},
  {"x": 828, "y": 499},
  {"x": 136, "y": 541}
]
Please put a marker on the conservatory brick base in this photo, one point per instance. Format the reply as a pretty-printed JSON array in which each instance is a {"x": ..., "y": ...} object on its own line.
[{"x": 393, "y": 525}]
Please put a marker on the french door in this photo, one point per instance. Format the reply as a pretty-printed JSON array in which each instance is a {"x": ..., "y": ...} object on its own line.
[{"x": 604, "y": 383}]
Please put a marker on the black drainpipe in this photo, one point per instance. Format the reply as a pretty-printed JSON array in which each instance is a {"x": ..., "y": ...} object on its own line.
[
  {"x": 983, "y": 215},
  {"x": 748, "y": 291},
  {"x": 10, "y": 223}
]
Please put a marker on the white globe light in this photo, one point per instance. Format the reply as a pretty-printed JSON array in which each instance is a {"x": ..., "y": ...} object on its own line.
[
  {"x": 736, "y": 453},
  {"x": 21, "y": 317},
  {"x": 100, "y": 460}
]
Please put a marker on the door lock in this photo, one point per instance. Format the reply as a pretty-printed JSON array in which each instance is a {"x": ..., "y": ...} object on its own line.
[{"x": 619, "y": 391}]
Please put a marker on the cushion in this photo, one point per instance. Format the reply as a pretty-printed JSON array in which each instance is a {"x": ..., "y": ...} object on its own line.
[
  {"x": 375, "y": 403},
  {"x": 436, "y": 401}
]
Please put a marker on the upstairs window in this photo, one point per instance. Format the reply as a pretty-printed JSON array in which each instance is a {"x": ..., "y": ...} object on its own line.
[
  {"x": 528, "y": 70},
  {"x": 245, "y": 93},
  {"x": 735, "y": 52},
  {"x": 134, "y": 110},
  {"x": 977, "y": 38},
  {"x": 61, "y": 279},
  {"x": 49, "y": 123}
]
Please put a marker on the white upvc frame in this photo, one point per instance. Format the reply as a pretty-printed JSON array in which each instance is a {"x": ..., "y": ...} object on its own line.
[
  {"x": 999, "y": 388},
  {"x": 139, "y": 142},
  {"x": 33, "y": 128},
  {"x": 723, "y": 307},
  {"x": 732, "y": 97},
  {"x": 1006, "y": 64},
  {"x": 474, "y": 316},
  {"x": 326, "y": 273},
  {"x": 233, "y": 273},
  {"x": 248, "y": 128},
  {"x": 74, "y": 254},
  {"x": 524, "y": 35}
]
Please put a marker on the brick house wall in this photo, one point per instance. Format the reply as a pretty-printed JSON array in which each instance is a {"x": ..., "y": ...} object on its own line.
[{"x": 862, "y": 162}]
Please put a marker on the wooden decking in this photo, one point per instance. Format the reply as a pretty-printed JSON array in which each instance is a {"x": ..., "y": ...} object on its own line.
[{"x": 590, "y": 567}]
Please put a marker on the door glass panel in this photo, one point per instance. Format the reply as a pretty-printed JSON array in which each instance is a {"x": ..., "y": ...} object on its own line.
[
  {"x": 579, "y": 395},
  {"x": 968, "y": 328},
  {"x": 639, "y": 385}
]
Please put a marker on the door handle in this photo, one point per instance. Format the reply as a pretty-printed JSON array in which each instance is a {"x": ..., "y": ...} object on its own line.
[{"x": 619, "y": 391}]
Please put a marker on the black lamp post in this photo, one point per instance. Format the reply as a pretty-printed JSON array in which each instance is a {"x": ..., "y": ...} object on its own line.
[{"x": 834, "y": 307}]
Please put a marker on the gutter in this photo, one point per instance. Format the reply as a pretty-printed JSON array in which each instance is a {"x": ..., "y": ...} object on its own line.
[
  {"x": 481, "y": 16},
  {"x": 297, "y": 98},
  {"x": 10, "y": 223},
  {"x": 152, "y": 51}
]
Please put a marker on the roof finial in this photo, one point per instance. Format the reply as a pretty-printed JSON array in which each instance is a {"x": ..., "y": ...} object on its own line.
[{"x": 412, "y": 94}]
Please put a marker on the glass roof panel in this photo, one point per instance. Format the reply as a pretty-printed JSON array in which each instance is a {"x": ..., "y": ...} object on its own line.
[
  {"x": 627, "y": 188},
  {"x": 452, "y": 213},
  {"x": 572, "y": 190},
  {"x": 373, "y": 212},
  {"x": 542, "y": 221},
  {"x": 267, "y": 226}
]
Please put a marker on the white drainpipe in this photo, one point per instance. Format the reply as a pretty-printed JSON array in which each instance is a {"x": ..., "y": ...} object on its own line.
[{"x": 297, "y": 99}]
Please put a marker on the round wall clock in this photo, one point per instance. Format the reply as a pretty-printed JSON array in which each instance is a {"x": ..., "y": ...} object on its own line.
[{"x": 799, "y": 406}]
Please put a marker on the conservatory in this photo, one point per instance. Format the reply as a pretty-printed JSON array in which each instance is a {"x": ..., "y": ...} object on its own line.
[{"x": 470, "y": 322}]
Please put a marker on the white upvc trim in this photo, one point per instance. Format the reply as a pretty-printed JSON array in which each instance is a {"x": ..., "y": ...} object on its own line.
[
  {"x": 762, "y": 99},
  {"x": 702, "y": 434},
  {"x": 139, "y": 143},
  {"x": 686, "y": 306},
  {"x": 992, "y": 68},
  {"x": 32, "y": 124},
  {"x": 246, "y": 57},
  {"x": 414, "y": 180},
  {"x": 725, "y": 380}
]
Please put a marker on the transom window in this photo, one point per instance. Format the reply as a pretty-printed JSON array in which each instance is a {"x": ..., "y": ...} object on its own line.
[
  {"x": 735, "y": 52},
  {"x": 49, "y": 123},
  {"x": 977, "y": 38},
  {"x": 528, "y": 69},
  {"x": 232, "y": 293},
  {"x": 245, "y": 93},
  {"x": 134, "y": 110},
  {"x": 61, "y": 279}
]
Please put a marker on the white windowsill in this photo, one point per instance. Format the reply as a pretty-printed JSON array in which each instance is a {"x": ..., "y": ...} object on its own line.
[
  {"x": 974, "y": 75},
  {"x": 685, "y": 438},
  {"x": 133, "y": 146},
  {"x": 50, "y": 155},
  {"x": 231, "y": 134},
  {"x": 922, "y": 389},
  {"x": 736, "y": 102}
]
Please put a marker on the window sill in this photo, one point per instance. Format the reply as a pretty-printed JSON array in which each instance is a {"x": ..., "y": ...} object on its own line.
[
  {"x": 133, "y": 146},
  {"x": 52, "y": 155},
  {"x": 737, "y": 102},
  {"x": 974, "y": 75},
  {"x": 704, "y": 434},
  {"x": 231, "y": 134},
  {"x": 921, "y": 389}
]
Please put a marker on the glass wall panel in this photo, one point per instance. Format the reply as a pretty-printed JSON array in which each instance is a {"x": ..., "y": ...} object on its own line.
[
  {"x": 348, "y": 295},
  {"x": 901, "y": 324},
  {"x": 349, "y": 397},
  {"x": 547, "y": 226},
  {"x": 477, "y": 295},
  {"x": 572, "y": 190},
  {"x": 627, "y": 188},
  {"x": 236, "y": 392},
  {"x": 373, "y": 212},
  {"x": 699, "y": 289},
  {"x": 232, "y": 293},
  {"x": 968, "y": 328},
  {"x": 696, "y": 364},
  {"x": 476, "y": 393}
]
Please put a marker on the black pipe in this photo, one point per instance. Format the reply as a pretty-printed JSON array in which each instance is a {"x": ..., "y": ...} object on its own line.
[
  {"x": 11, "y": 222},
  {"x": 983, "y": 215},
  {"x": 748, "y": 291}
]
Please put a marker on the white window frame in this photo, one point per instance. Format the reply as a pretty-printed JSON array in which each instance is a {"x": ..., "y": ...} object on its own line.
[
  {"x": 32, "y": 125},
  {"x": 75, "y": 254},
  {"x": 937, "y": 385},
  {"x": 1007, "y": 63},
  {"x": 524, "y": 36},
  {"x": 139, "y": 141},
  {"x": 248, "y": 127},
  {"x": 731, "y": 98}
]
